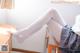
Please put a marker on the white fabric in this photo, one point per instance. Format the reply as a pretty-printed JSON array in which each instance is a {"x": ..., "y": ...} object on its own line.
[
  {"x": 76, "y": 26},
  {"x": 51, "y": 16}
]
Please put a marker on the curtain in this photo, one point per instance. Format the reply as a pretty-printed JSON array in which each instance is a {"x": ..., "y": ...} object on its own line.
[{"x": 7, "y": 4}]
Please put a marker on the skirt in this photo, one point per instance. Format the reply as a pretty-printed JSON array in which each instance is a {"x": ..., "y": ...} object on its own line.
[{"x": 70, "y": 41}]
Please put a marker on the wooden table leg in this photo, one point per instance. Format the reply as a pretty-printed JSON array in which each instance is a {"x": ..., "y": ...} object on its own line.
[
  {"x": 49, "y": 49},
  {"x": 55, "y": 47}
]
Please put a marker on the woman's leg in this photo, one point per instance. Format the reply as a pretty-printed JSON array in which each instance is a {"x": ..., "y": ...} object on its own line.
[
  {"x": 24, "y": 33},
  {"x": 56, "y": 16},
  {"x": 35, "y": 26}
]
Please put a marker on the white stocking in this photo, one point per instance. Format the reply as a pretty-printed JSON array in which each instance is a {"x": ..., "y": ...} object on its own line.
[{"x": 35, "y": 26}]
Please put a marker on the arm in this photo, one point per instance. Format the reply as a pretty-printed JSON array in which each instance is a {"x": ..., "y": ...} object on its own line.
[{"x": 76, "y": 26}]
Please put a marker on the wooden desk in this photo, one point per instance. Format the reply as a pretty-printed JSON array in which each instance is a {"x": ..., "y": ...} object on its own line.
[{"x": 6, "y": 38}]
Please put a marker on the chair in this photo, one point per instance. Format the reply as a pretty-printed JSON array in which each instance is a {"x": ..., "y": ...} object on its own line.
[{"x": 52, "y": 47}]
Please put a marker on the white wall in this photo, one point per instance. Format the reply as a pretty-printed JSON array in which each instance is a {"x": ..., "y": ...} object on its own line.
[
  {"x": 27, "y": 11},
  {"x": 23, "y": 15},
  {"x": 3, "y": 16},
  {"x": 68, "y": 12}
]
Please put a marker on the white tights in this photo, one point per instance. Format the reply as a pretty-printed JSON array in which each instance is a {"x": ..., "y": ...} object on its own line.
[{"x": 49, "y": 19}]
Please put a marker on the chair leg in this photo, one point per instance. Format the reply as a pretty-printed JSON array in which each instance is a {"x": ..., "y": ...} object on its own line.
[{"x": 49, "y": 49}]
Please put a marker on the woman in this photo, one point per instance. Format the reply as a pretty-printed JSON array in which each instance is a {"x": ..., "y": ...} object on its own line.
[{"x": 55, "y": 27}]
